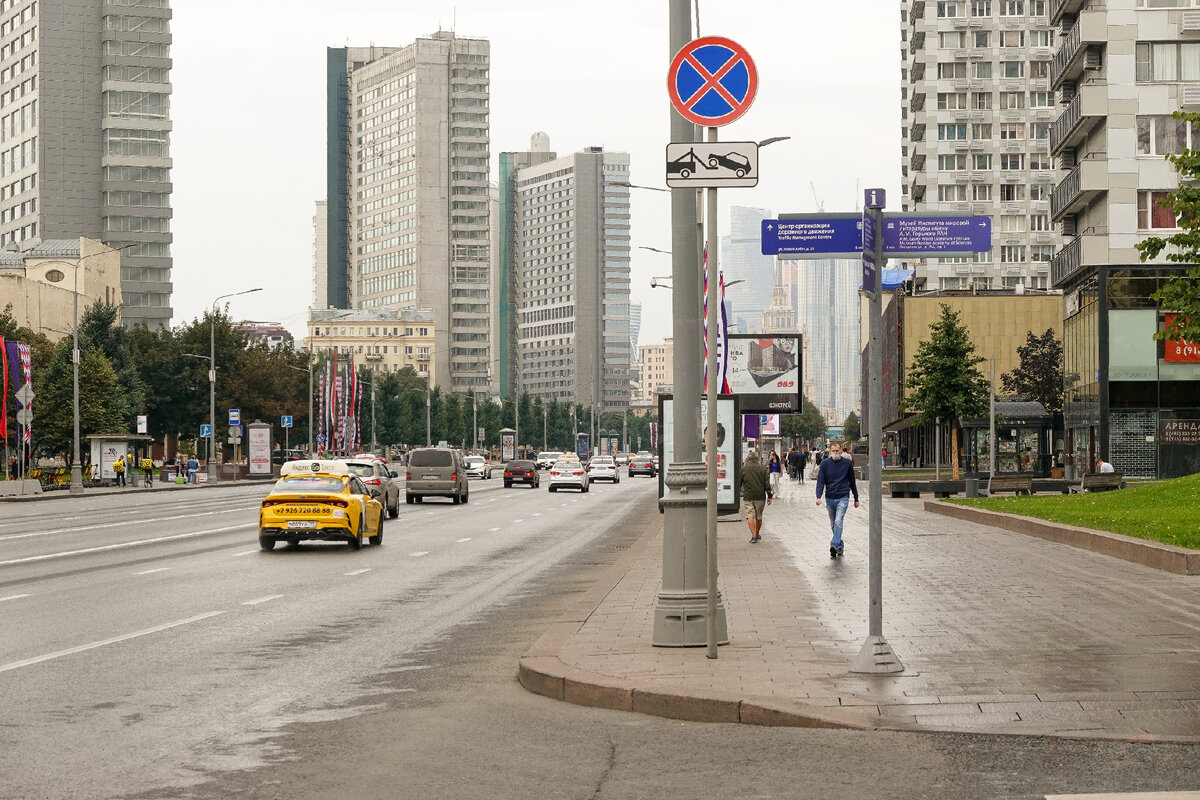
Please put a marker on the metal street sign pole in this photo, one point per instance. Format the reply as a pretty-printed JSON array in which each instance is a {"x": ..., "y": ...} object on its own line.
[
  {"x": 710, "y": 431},
  {"x": 876, "y": 655}
]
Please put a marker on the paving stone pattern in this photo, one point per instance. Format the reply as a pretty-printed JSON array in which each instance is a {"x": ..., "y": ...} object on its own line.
[{"x": 997, "y": 631}]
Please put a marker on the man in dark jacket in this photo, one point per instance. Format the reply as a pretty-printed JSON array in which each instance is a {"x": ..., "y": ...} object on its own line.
[
  {"x": 802, "y": 461},
  {"x": 835, "y": 479},
  {"x": 756, "y": 493}
]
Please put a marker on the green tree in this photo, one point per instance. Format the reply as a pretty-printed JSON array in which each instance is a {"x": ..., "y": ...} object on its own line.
[
  {"x": 1182, "y": 293},
  {"x": 41, "y": 352},
  {"x": 102, "y": 408},
  {"x": 1040, "y": 374},
  {"x": 807, "y": 425},
  {"x": 944, "y": 378},
  {"x": 852, "y": 428}
]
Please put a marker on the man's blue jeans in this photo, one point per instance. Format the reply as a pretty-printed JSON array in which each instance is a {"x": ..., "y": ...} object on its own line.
[{"x": 836, "y": 506}]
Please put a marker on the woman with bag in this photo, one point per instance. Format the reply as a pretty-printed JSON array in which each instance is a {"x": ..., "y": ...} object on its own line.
[{"x": 776, "y": 471}]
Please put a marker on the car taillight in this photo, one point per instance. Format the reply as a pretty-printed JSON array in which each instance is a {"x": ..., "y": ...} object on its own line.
[
  {"x": 553, "y": 472},
  {"x": 529, "y": 474},
  {"x": 507, "y": 474},
  {"x": 408, "y": 475},
  {"x": 453, "y": 476},
  {"x": 577, "y": 472},
  {"x": 372, "y": 482}
]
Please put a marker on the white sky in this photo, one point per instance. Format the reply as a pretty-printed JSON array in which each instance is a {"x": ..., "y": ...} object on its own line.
[{"x": 248, "y": 109}]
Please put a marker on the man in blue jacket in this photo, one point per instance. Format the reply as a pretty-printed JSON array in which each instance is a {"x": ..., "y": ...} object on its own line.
[{"x": 835, "y": 479}]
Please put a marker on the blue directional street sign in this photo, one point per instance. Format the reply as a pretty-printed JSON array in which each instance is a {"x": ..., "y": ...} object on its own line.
[
  {"x": 870, "y": 270},
  {"x": 914, "y": 235},
  {"x": 287, "y": 422},
  {"x": 206, "y": 431},
  {"x": 813, "y": 236},
  {"x": 875, "y": 198}
]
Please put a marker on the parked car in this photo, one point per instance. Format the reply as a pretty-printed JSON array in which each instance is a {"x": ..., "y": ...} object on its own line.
[
  {"x": 436, "y": 472},
  {"x": 477, "y": 467},
  {"x": 521, "y": 471},
  {"x": 320, "y": 500},
  {"x": 546, "y": 459},
  {"x": 603, "y": 468},
  {"x": 568, "y": 475},
  {"x": 374, "y": 473},
  {"x": 642, "y": 463}
]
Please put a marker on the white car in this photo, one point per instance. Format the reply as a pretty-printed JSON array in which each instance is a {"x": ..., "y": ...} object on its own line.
[
  {"x": 569, "y": 475},
  {"x": 546, "y": 458},
  {"x": 603, "y": 468},
  {"x": 477, "y": 467}
]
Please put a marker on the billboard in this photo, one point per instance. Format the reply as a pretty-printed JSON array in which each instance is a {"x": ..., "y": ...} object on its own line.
[
  {"x": 765, "y": 372},
  {"x": 769, "y": 424},
  {"x": 729, "y": 448}
]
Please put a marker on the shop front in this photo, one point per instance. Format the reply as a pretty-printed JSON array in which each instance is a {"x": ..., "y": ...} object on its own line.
[{"x": 1024, "y": 439}]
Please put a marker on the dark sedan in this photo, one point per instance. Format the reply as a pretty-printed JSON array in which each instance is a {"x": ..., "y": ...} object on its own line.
[{"x": 521, "y": 472}]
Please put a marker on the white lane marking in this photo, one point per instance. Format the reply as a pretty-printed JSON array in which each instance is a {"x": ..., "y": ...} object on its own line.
[
  {"x": 492, "y": 530},
  {"x": 258, "y": 600},
  {"x": 244, "y": 553},
  {"x": 7, "y": 537},
  {"x": 430, "y": 513},
  {"x": 460, "y": 541},
  {"x": 123, "y": 545},
  {"x": 494, "y": 499},
  {"x": 418, "y": 554},
  {"x": 14, "y": 597},
  {"x": 357, "y": 571},
  {"x": 157, "y": 628},
  {"x": 518, "y": 520},
  {"x": 537, "y": 514},
  {"x": 152, "y": 571}
]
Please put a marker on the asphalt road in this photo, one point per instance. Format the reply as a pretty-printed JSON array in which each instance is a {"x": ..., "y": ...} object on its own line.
[{"x": 148, "y": 649}]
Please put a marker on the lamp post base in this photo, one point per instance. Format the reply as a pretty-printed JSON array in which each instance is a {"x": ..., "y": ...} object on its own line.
[
  {"x": 681, "y": 613},
  {"x": 876, "y": 658},
  {"x": 76, "y": 479}
]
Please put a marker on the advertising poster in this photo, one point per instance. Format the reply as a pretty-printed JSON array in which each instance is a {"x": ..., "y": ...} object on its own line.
[
  {"x": 769, "y": 424},
  {"x": 729, "y": 470},
  {"x": 260, "y": 450},
  {"x": 765, "y": 373},
  {"x": 508, "y": 446}
]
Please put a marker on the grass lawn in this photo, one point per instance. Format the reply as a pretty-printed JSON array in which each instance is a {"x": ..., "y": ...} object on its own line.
[{"x": 1168, "y": 511}]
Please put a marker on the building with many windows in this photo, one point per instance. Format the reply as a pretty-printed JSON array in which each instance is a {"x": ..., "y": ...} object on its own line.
[
  {"x": 566, "y": 235},
  {"x": 407, "y": 204},
  {"x": 657, "y": 366},
  {"x": 383, "y": 341},
  {"x": 1122, "y": 68},
  {"x": 742, "y": 260},
  {"x": 978, "y": 107},
  {"x": 85, "y": 135}
]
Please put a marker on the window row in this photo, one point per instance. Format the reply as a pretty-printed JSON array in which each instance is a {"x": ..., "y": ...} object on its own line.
[
  {"x": 143, "y": 144},
  {"x": 120, "y": 47},
  {"x": 984, "y": 70},
  {"x": 1006, "y": 193},
  {"x": 1167, "y": 61},
  {"x": 16, "y": 45},
  {"x": 18, "y": 67},
  {"x": 983, "y": 101},
  {"x": 18, "y": 157},
  {"x": 17, "y": 187},
  {"x": 985, "y": 8},
  {"x": 17, "y": 122},
  {"x": 132, "y": 24},
  {"x": 17, "y": 20}
]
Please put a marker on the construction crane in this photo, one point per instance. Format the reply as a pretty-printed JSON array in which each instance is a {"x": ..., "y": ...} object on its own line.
[{"x": 817, "y": 200}]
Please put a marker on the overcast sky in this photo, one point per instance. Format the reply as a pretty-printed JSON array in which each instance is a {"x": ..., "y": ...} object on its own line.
[{"x": 248, "y": 109}]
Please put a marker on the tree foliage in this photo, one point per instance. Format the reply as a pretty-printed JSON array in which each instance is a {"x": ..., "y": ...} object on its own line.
[
  {"x": 808, "y": 425},
  {"x": 1040, "y": 374},
  {"x": 1181, "y": 294},
  {"x": 944, "y": 377},
  {"x": 852, "y": 428}
]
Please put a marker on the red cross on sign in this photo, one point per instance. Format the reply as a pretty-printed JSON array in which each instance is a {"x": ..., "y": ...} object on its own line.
[{"x": 712, "y": 81}]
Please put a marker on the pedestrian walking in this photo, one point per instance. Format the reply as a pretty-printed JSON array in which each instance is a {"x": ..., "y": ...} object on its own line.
[
  {"x": 756, "y": 493},
  {"x": 794, "y": 466},
  {"x": 193, "y": 466},
  {"x": 119, "y": 469},
  {"x": 835, "y": 480},
  {"x": 802, "y": 457},
  {"x": 776, "y": 469}
]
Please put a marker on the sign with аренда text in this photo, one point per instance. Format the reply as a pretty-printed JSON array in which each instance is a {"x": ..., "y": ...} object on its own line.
[
  {"x": 1179, "y": 431},
  {"x": 1179, "y": 352}
]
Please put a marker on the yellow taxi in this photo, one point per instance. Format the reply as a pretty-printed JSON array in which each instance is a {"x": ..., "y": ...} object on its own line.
[{"x": 320, "y": 500}]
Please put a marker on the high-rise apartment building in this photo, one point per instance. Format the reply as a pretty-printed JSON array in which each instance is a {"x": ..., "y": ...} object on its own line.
[
  {"x": 978, "y": 107},
  {"x": 657, "y": 363},
  {"x": 85, "y": 135},
  {"x": 827, "y": 315},
  {"x": 566, "y": 229},
  {"x": 320, "y": 297},
  {"x": 742, "y": 260},
  {"x": 1122, "y": 68},
  {"x": 407, "y": 192}
]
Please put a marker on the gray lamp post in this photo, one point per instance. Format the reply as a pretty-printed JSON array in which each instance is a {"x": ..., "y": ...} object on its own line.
[
  {"x": 212, "y": 382},
  {"x": 56, "y": 276}
]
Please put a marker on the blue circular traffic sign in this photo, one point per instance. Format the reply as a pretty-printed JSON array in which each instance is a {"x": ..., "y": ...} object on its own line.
[{"x": 712, "y": 81}]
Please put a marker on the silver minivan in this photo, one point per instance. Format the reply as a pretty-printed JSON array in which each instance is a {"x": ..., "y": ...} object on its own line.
[{"x": 437, "y": 472}]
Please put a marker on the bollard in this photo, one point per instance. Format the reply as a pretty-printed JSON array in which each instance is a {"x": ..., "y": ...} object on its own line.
[{"x": 972, "y": 487}]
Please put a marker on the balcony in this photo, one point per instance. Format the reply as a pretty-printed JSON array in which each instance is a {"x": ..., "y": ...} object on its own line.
[
  {"x": 1066, "y": 262},
  {"x": 1087, "y": 181},
  {"x": 1060, "y": 7},
  {"x": 917, "y": 103},
  {"x": 1080, "y": 49},
  {"x": 1083, "y": 113}
]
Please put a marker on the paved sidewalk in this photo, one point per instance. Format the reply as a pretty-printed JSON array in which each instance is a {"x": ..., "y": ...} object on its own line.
[{"x": 999, "y": 632}]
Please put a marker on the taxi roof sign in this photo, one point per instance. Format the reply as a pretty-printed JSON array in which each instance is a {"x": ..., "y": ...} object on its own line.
[{"x": 315, "y": 467}]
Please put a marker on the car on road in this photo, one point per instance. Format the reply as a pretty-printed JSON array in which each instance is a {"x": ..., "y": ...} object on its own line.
[
  {"x": 546, "y": 458},
  {"x": 736, "y": 162},
  {"x": 521, "y": 471},
  {"x": 374, "y": 473},
  {"x": 568, "y": 475},
  {"x": 621, "y": 458},
  {"x": 642, "y": 463},
  {"x": 321, "y": 500},
  {"x": 603, "y": 468},
  {"x": 436, "y": 472},
  {"x": 477, "y": 467}
]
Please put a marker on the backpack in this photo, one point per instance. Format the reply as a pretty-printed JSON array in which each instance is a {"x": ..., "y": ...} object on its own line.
[{"x": 119, "y": 465}]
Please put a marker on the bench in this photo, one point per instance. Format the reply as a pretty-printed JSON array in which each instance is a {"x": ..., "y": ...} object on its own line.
[
  {"x": 1017, "y": 484},
  {"x": 916, "y": 487},
  {"x": 1100, "y": 482}
]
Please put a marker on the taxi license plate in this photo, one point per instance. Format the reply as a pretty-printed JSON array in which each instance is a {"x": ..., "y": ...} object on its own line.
[{"x": 302, "y": 523}]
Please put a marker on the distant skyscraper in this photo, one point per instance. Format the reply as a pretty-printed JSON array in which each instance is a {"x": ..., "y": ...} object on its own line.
[
  {"x": 742, "y": 260},
  {"x": 567, "y": 234},
  {"x": 85, "y": 103},
  {"x": 407, "y": 193},
  {"x": 828, "y": 318},
  {"x": 320, "y": 257}
]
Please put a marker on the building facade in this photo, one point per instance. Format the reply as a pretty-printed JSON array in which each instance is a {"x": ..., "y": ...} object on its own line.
[
  {"x": 567, "y": 231},
  {"x": 977, "y": 111},
  {"x": 1122, "y": 68},
  {"x": 407, "y": 214},
  {"x": 657, "y": 367},
  {"x": 85, "y": 135},
  {"x": 383, "y": 341},
  {"x": 40, "y": 283},
  {"x": 742, "y": 260},
  {"x": 827, "y": 315}
]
